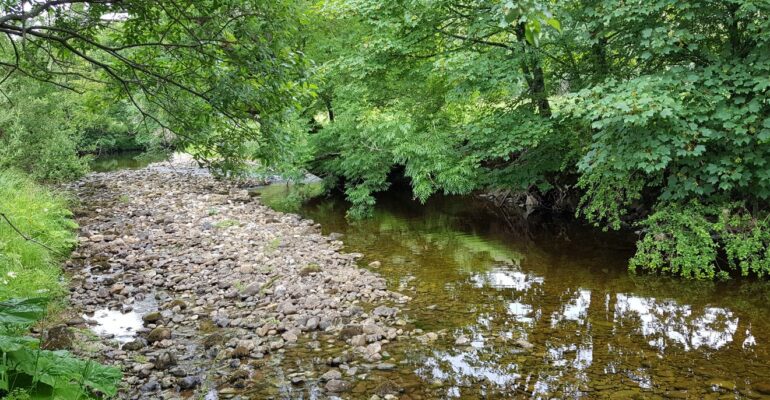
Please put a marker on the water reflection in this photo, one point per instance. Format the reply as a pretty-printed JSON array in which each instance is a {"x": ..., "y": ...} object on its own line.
[
  {"x": 663, "y": 322},
  {"x": 543, "y": 317},
  {"x": 500, "y": 278}
]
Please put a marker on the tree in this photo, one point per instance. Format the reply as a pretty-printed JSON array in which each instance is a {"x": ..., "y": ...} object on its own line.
[
  {"x": 216, "y": 73},
  {"x": 652, "y": 113}
]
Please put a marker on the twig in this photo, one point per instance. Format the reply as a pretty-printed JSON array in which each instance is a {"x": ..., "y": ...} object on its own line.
[{"x": 27, "y": 238}]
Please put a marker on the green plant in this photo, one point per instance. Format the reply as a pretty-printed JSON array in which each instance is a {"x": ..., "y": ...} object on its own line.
[
  {"x": 29, "y": 268},
  {"x": 226, "y": 223},
  {"x": 273, "y": 245}
]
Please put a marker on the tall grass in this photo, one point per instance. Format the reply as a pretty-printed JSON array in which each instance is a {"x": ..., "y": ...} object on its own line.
[{"x": 29, "y": 269}]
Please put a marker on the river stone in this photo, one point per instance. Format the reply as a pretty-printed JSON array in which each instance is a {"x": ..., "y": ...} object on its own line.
[
  {"x": 134, "y": 345},
  {"x": 158, "y": 334},
  {"x": 152, "y": 317},
  {"x": 337, "y": 386},
  {"x": 330, "y": 375},
  {"x": 189, "y": 382},
  {"x": 165, "y": 360}
]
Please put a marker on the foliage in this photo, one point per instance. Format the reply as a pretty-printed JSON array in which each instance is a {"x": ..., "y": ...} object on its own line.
[
  {"x": 408, "y": 86},
  {"x": 28, "y": 269},
  {"x": 653, "y": 112},
  {"x": 211, "y": 73}
]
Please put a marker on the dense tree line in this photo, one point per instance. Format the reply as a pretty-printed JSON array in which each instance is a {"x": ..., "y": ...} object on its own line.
[
  {"x": 653, "y": 113},
  {"x": 648, "y": 113}
]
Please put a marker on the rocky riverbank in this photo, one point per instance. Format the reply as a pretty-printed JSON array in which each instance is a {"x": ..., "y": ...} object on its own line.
[{"x": 194, "y": 287}]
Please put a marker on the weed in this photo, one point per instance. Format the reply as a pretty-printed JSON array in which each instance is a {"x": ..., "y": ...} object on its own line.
[
  {"x": 226, "y": 223},
  {"x": 273, "y": 245}
]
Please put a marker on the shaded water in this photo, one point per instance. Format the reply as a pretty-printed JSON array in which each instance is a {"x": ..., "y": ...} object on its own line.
[
  {"x": 548, "y": 309},
  {"x": 124, "y": 160}
]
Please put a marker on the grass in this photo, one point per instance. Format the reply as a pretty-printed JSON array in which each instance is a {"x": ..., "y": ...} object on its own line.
[
  {"x": 226, "y": 223},
  {"x": 27, "y": 268}
]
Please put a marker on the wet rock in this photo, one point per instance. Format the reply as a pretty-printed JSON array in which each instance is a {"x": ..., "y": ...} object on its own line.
[
  {"x": 337, "y": 386},
  {"x": 189, "y": 382},
  {"x": 152, "y": 317},
  {"x": 158, "y": 334},
  {"x": 164, "y": 361},
  {"x": 58, "y": 338},
  {"x": 331, "y": 375}
]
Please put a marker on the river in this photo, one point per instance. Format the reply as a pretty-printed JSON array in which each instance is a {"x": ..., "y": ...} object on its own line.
[
  {"x": 546, "y": 308},
  {"x": 543, "y": 308}
]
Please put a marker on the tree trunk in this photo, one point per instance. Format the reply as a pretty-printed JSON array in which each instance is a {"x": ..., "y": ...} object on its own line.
[{"x": 533, "y": 72}]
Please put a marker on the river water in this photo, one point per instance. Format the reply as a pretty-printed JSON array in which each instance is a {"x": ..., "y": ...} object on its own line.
[
  {"x": 547, "y": 309},
  {"x": 536, "y": 309}
]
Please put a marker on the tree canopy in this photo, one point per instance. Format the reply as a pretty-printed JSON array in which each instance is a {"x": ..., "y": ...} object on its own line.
[
  {"x": 215, "y": 73},
  {"x": 649, "y": 114}
]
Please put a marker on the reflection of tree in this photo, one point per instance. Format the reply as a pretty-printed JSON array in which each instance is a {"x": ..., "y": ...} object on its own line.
[{"x": 663, "y": 322}]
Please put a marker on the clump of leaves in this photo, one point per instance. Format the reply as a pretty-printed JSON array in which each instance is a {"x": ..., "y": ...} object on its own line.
[{"x": 697, "y": 241}]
